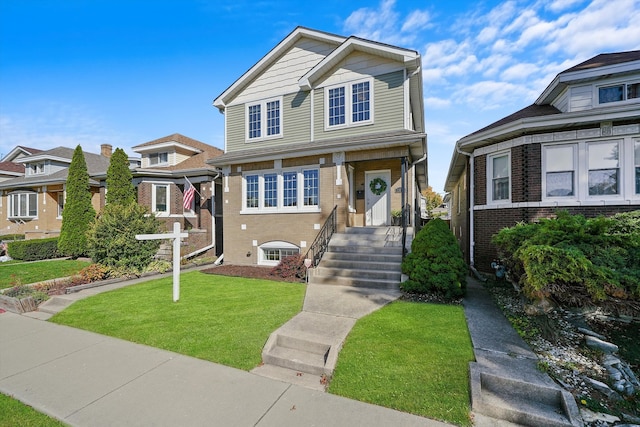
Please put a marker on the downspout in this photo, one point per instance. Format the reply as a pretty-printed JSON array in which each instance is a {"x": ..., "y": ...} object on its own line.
[{"x": 471, "y": 204}]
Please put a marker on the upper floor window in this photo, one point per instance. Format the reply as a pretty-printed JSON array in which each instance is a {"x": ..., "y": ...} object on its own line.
[
  {"x": 264, "y": 119},
  {"x": 158, "y": 159},
  {"x": 160, "y": 198},
  {"x": 559, "y": 170},
  {"x": 23, "y": 205},
  {"x": 349, "y": 104},
  {"x": 618, "y": 92},
  {"x": 288, "y": 190},
  {"x": 604, "y": 172},
  {"x": 499, "y": 173},
  {"x": 36, "y": 168}
]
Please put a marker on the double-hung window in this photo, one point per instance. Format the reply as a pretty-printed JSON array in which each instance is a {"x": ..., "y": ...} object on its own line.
[
  {"x": 60, "y": 203},
  {"x": 160, "y": 199},
  {"x": 264, "y": 119},
  {"x": 350, "y": 104},
  {"x": 23, "y": 205},
  {"x": 604, "y": 168},
  {"x": 560, "y": 166},
  {"x": 499, "y": 185},
  {"x": 288, "y": 190}
]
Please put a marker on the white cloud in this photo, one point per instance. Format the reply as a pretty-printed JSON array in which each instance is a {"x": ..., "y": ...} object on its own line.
[
  {"x": 433, "y": 102},
  {"x": 519, "y": 72},
  {"x": 417, "y": 20},
  {"x": 560, "y": 5}
]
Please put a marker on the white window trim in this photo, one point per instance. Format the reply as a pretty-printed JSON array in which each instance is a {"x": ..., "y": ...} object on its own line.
[
  {"x": 153, "y": 198},
  {"x": 60, "y": 194},
  {"x": 167, "y": 163},
  {"x": 576, "y": 169},
  {"x": 348, "y": 90},
  {"x": 621, "y": 172},
  {"x": 489, "y": 162},
  {"x": 617, "y": 82},
  {"x": 263, "y": 120},
  {"x": 280, "y": 208},
  {"x": 273, "y": 245},
  {"x": 10, "y": 205}
]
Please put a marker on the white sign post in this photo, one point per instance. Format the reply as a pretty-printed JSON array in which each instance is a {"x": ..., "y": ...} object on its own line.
[{"x": 176, "y": 236}]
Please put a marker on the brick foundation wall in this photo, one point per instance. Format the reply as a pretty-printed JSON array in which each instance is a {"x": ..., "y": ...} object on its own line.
[{"x": 490, "y": 221}]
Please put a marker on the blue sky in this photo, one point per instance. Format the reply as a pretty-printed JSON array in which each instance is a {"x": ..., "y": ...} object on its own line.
[{"x": 126, "y": 72}]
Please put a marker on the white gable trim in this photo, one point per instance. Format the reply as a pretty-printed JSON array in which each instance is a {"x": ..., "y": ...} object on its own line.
[
  {"x": 165, "y": 145},
  {"x": 223, "y": 99}
]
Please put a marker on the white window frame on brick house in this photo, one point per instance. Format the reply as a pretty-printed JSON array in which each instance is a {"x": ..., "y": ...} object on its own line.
[
  {"x": 289, "y": 198},
  {"x": 269, "y": 118},
  {"x": 597, "y": 166},
  {"x": 554, "y": 166},
  {"x": 154, "y": 202},
  {"x": 490, "y": 177},
  {"x": 350, "y": 90},
  {"x": 271, "y": 253},
  {"x": 617, "y": 92},
  {"x": 23, "y": 205},
  {"x": 60, "y": 200},
  {"x": 162, "y": 159}
]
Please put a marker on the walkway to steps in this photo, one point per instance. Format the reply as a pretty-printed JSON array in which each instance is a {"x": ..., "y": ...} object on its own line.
[{"x": 359, "y": 274}]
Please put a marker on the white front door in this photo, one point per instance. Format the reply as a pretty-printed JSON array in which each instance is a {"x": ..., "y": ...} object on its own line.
[{"x": 377, "y": 197}]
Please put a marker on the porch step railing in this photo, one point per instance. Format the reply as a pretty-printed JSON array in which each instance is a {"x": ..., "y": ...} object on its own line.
[{"x": 320, "y": 244}]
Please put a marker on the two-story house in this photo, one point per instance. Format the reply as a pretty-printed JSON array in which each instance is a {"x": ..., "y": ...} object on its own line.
[
  {"x": 321, "y": 121},
  {"x": 32, "y": 204},
  {"x": 169, "y": 167},
  {"x": 576, "y": 148}
]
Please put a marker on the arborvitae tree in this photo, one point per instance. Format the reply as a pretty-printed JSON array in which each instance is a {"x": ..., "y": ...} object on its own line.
[
  {"x": 78, "y": 212},
  {"x": 120, "y": 189}
]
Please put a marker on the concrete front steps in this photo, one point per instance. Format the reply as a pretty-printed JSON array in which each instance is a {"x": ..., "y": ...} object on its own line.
[{"x": 367, "y": 257}]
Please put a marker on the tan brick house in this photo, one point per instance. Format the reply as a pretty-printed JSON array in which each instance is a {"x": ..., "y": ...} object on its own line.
[
  {"x": 321, "y": 121},
  {"x": 576, "y": 148},
  {"x": 32, "y": 204}
]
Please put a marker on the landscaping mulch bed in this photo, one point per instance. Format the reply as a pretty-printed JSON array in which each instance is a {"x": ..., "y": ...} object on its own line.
[{"x": 250, "y": 271}]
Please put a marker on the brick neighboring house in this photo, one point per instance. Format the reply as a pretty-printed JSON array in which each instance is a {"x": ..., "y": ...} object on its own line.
[
  {"x": 31, "y": 204},
  {"x": 576, "y": 148},
  {"x": 166, "y": 164},
  {"x": 321, "y": 121}
]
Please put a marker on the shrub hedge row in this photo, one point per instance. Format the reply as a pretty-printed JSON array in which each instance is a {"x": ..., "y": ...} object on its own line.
[{"x": 34, "y": 250}]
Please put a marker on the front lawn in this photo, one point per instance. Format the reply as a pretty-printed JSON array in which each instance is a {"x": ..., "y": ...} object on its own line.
[
  {"x": 413, "y": 357},
  {"x": 15, "y": 413},
  {"x": 222, "y": 319},
  {"x": 31, "y": 272}
]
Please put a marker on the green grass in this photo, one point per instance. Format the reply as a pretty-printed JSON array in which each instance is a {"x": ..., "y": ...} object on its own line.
[
  {"x": 17, "y": 414},
  {"x": 38, "y": 271},
  {"x": 222, "y": 319},
  {"x": 413, "y": 357}
]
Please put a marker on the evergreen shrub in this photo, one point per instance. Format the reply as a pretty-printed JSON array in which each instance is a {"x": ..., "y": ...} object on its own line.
[
  {"x": 435, "y": 263},
  {"x": 34, "y": 250}
]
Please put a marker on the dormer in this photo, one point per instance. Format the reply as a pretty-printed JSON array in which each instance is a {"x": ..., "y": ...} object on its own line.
[{"x": 165, "y": 152}]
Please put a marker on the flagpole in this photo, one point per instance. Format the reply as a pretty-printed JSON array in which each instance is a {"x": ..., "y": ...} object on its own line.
[{"x": 194, "y": 187}]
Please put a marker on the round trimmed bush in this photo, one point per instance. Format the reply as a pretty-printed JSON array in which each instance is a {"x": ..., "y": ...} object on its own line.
[{"x": 435, "y": 263}]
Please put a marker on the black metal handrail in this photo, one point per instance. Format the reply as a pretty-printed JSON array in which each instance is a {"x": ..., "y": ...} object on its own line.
[
  {"x": 406, "y": 211},
  {"x": 321, "y": 243}
]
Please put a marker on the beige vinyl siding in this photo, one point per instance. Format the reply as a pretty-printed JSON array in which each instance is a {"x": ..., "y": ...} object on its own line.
[
  {"x": 581, "y": 98},
  {"x": 296, "y": 116},
  {"x": 282, "y": 77},
  {"x": 388, "y": 109}
]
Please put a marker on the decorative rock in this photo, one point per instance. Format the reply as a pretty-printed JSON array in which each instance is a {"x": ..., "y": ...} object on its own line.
[
  {"x": 589, "y": 416},
  {"x": 619, "y": 385},
  {"x": 629, "y": 390},
  {"x": 538, "y": 307},
  {"x": 591, "y": 333},
  {"x": 602, "y": 387},
  {"x": 630, "y": 418},
  {"x": 614, "y": 374},
  {"x": 598, "y": 344},
  {"x": 629, "y": 374},
  {"x": 610, "y": 360}
]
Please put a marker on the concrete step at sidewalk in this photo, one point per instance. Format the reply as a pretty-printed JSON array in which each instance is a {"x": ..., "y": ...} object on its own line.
[
  {"x": 291, "y": 376},
  {"x": 355, "y": 271},
  {"x": 295, "y": 359},
  {"x": 356, "y": 282},
  {"x": 520, "y": 402},
  {"x": 55, "y": 304}
]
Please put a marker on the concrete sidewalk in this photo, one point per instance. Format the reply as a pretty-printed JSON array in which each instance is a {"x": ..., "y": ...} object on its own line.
[{"x": 87, "y": 379}]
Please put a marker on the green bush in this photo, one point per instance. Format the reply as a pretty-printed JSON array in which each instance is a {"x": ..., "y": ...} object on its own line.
[
  {"x": 34, "y": 250},
  {"x": 575, "y": 260},
  {"x": 435, "y": 263},
  {"x": 112, "y": 241}
]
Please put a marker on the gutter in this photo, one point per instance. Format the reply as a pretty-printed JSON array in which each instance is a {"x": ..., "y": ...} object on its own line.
[{"x": 471, "y": 202}]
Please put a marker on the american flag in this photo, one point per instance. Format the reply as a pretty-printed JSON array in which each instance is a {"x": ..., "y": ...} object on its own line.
[{"x": 189, "y": 195}]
